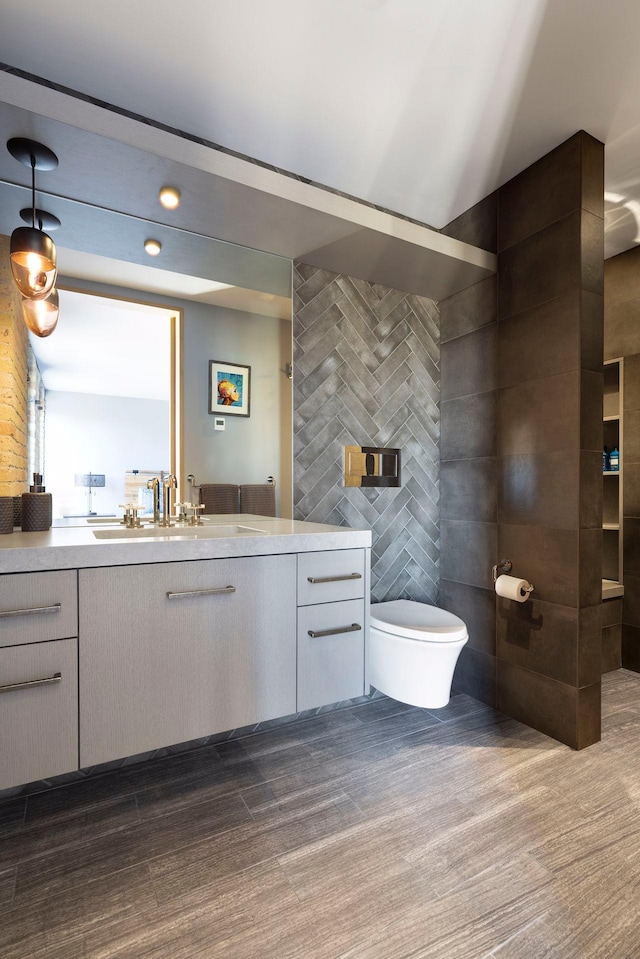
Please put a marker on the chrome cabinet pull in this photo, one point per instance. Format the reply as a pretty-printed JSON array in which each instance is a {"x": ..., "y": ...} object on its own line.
[
  {"x": 29, "y": 612},
  {"x": 202, "y": 592},
  {"x": 333, "y": 579},
  {"x": 32, "y": 683},
  {"x": 315, "y": 633}
]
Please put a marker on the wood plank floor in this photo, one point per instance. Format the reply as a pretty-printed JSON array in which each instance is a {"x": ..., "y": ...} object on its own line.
[{"x": 377, "y": 832}]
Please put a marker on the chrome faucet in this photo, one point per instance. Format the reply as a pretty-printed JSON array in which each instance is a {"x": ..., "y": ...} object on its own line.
[
  {"x": 154, "y": 484},
  {"x": 170, "y": 482}
]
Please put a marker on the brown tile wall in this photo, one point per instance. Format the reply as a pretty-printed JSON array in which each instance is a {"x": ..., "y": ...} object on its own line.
[
  {"x": 621, "y": 643},
  {"x": 13, "y": 382},
  {"x": 521, "y": 441},
  {"x": 468, "y": 459}
]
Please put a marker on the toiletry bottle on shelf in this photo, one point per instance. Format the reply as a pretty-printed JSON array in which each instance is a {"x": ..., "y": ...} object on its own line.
[
  {"x": 614, "y": 459},
  {"x": 605, "y": 460}
]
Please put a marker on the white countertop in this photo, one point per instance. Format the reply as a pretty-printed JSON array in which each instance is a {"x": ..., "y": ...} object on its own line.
[{"x": 72, "y": 547}]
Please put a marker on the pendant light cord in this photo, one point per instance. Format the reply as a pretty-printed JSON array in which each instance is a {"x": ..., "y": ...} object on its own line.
[{"x": 33, "y": 191}]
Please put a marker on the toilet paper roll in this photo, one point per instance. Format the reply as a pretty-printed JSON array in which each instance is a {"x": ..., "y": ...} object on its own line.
[{"x": 513, "y": 588}]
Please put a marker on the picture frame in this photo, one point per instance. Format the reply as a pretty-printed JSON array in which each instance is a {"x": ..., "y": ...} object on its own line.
[{"x": 229, "y": 388}]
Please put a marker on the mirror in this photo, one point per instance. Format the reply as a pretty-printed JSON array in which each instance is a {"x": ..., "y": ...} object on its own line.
[{"x": 231, "y": 304}]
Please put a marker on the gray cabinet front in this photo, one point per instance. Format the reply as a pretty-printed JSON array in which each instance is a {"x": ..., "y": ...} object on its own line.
[{"x": 174, "y": 652}]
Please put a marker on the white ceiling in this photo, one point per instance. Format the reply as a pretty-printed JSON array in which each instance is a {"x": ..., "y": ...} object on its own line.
[{"x": 420, "y": 106}]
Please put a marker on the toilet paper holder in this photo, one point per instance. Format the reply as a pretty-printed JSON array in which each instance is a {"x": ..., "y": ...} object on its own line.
[{"x": 503, "y": 567}]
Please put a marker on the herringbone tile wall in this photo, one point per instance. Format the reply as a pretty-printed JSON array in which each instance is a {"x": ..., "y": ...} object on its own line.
[{"x": 367, "y": 372}]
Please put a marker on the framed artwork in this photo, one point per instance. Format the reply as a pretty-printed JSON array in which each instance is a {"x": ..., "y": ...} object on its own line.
[{"x": 229, "y": 388}]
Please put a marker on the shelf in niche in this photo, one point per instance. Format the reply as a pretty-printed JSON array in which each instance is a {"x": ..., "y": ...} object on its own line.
[
  {"x": 611, "y": 588},
  {"x": 613, "y": 526},
  {"x": 611, "y": 419},
  {"x": 611, "y": 472}
]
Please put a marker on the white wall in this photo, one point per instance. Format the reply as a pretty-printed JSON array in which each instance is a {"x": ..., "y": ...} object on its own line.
[{"x": 100, "y": 434}]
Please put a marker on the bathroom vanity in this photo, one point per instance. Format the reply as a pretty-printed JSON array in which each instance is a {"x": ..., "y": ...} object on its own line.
[{"x": 114, "y": 642}]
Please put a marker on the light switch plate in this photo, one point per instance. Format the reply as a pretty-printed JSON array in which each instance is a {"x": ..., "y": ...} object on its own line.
[{"x": 219, "y": 423}]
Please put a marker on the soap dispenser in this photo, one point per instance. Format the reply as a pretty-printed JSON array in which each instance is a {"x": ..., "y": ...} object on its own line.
[
  {"x": 614, "y": 459},
  {"x": 37, "y": 507},
  {"x": 605, "y": 460}
]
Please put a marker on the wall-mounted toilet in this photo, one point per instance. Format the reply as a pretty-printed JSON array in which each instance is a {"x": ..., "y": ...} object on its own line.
[{"x": 413, "y": 650}]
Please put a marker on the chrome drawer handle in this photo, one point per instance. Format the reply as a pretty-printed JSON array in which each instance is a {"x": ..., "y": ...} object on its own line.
[
  {"x": 32, "y": 683},
  {"x": 315, "y": 633},
  {"x": 202, "y": 592},
  {"x": 333, "y": 579},
  {"x": 29, "y": 612}
]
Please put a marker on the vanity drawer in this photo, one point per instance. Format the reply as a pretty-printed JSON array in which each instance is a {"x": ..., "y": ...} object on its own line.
[
  {"x": 330, "y": 576},
  {"x": 35, "y": 607},
  {"x": 39, "y": 722},
  {"x": 331, "y": 661}
]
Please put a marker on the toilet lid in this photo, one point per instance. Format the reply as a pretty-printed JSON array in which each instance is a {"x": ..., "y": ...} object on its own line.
[{"x": 404, "y": 617}]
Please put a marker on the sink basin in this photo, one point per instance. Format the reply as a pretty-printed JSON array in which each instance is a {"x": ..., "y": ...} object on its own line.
[{"x": 190, "y": 532}]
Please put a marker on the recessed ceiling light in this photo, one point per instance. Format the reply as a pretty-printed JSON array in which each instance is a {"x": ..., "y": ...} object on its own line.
[
  {"x": 169, "y": 197},
  {"x": 152, "y": 247}
]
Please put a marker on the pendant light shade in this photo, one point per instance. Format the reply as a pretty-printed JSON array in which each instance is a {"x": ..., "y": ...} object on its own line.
[
  {"x": 41, "y": 316},
  {"x": 33, "y": 262}
]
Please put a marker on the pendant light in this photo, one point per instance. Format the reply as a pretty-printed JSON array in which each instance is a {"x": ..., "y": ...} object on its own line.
[
  {"x": 41, "y": 316},
  {"x": 32, "y": 251}
]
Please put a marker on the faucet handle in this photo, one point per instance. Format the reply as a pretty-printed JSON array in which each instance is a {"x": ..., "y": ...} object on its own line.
[{"x": 130, "y": 518}]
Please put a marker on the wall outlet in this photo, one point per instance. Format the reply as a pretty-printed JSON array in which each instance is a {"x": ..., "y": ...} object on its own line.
[{"x": 219, "y": 423}]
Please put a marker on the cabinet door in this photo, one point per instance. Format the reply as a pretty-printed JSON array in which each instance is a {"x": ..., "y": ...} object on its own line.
[
  {"x": 177, "y": 651},
  {"x": 331, "y": 643},
  {"x": 38, "y": 711}
]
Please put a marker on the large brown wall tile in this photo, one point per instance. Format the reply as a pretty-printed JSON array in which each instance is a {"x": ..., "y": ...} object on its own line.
[
  {"x": 589, "y": 715},
  {"x": 539, "y": 701},
  {"x": 475, "y": 675},
  {"x": 466, "y": 550},
  {"x": 547, "y": 558},
  {"x": 469, "y": 310},
  {"x": 477, "y": 608},
  {"x": 538, "y": 636},
  {"x": 468, "y": 364},
  {"x": 468, "y": 427},
  {"x": 611, "y": 648},
  {"x": 631, "y": 647},
  {"x": 544, "y": 193},
  {"x": 539, "y": 415},
  {"x": 478, "y": 225},
  {"x": 541, "y": 342},
  {"x": 468, "y": 490},
  {"x": 589, "y": 645},
  {"x": 592, "y": 332},
  {"x": 542, "y": 267},
  {"x": 540, "y": 489}
]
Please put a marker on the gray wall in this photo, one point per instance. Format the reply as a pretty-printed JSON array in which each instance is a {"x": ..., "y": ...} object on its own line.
[{"x": 366, "y": 372}]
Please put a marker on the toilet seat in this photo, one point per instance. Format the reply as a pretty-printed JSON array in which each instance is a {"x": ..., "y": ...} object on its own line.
[{"x": 412, "y": 620}]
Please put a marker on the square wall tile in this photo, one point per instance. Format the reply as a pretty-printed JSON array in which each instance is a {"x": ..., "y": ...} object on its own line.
[
  {"x": 467, "y": 552},
  {"x": 545, "y": 265},
  {"x": 591, "y": 490},
  {"x": 478, "y": 225},
  {"x": 611, "y": 648},
  {"x": 590, "y": 593},
  {"x": 540, "y": 489},
  {"x": 468, "y": 427},
  {"x": 538, "y": 701},
  {"x": 468, "y": 490},
  {"x": 611, "y": 612},
  {"x": 476, "y": 607},
  {"x": 547, "y": 558},
  {"x": 592, "y": 174},
  {"x": 468, "y": 364},
  {"x": 589, "y": 715},
  {"x": 541, "y": 637},
  {"x": 591, "y": 387},
  {"x": 592, "y": 332},
  {"x": 589, "y": 646},
  {"x": 540, "y": 415},
  {"x": 621, "y": 326},
  {"x": 631, "y": 395},
  {"x": 631, "y": 600},
  {"x": 541, "y": 342},
  {"x": 592, "y": 253},
  {"x": 469, "y": 310},
  {"x": 475, "y": 675},
  {"x": 543, "y": 193}
]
